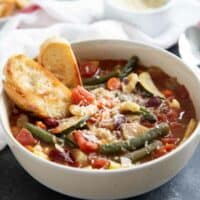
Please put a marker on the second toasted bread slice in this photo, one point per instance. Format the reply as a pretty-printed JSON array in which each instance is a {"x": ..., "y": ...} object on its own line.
[
  {"x": 7, "y": 8},
  {"x": 35, "y": 89},
  {"x": 57, "y": 56}
]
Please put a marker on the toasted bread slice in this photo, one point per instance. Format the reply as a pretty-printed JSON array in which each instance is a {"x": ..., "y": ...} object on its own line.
[
  {"x": 7, "y": 1},
  {"x": 2, "y": 8},
  {"x": 10, "y": 9},
  {"x": 57, "y": 56},
  {"x": 6, "y": 9},
  {"x": 21, "y": 3},
  {"x": 35, "y": 89}
]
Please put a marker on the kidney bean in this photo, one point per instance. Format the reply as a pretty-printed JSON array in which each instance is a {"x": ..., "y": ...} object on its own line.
[
  {"x": 154, "y": 102},
  {"x": 51, "y": 122}
]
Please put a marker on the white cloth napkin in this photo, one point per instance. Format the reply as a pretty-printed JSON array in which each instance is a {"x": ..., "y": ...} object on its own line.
[
  {"x": 88, "y": 16},
  {"x": 80, "y": 20}
]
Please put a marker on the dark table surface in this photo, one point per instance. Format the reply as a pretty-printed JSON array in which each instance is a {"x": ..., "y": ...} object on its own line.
[{"x": 16, "y": 184}]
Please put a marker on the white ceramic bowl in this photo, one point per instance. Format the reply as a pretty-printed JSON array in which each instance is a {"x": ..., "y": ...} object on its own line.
[
  {"x": 121, "y": 183},
  {"x": 153, "y": 21}
]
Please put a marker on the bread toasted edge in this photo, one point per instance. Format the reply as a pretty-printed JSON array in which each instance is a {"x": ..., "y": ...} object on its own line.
[{"x": 61, "y": 41}]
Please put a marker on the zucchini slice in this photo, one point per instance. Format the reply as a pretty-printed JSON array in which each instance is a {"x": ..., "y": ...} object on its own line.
[
  {"x": 68, "y": 125},
  {"x": 147, "y": 83}
]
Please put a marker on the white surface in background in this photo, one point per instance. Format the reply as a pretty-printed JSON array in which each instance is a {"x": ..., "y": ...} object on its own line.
[
  {"x": 87, "y": 16},
  {"x": 76, "y": 17}
]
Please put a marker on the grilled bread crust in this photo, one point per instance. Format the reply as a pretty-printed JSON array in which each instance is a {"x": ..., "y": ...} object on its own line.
[
  {"x": 7, "y": 8},
  {"x": 57, "y": 56},
  {"x": 33, "y": 88}
]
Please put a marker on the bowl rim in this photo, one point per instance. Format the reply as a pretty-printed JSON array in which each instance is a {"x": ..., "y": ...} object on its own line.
[
  {"x": 151, "y": 11},
  {"x": 120, "y": 170}
]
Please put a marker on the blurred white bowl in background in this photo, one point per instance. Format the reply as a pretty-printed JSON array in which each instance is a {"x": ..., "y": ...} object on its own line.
[{"x": 151, "y": 21}]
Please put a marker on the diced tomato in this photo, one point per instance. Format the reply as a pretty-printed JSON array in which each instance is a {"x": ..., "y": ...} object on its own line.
[
  {"x": 85, "y": 145},
  {"x": 163, "y": 150},
  {"x": 168, "y": 93},
  {"x": 159, "y": 152},
  {"x": 25, "y": 137},
  {"x": 114, "y": 83},
  {"x": 99, "y": 163},
  {"x": 88, "y": 68},
  {"x": 81, "y": 95},
  {"x": 172, "y": 115}
]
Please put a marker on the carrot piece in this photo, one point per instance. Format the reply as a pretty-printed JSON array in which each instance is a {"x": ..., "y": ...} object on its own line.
[
  {"x": 40, "y": 124},
  {"x": 113, "y": 83},
  {"x": 168, "y": 93}
]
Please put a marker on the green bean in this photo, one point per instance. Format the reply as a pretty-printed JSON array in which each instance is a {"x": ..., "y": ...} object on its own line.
[
  {"x": 93, "y": 87},
  {"x": 129, "y": 67},
  {"x": 47, "y": 137},
  {"x": 147, "y": 115},
  {"x": 135, "y": 143},
  {"x": 69, "y": 142},
  {"x": 102, "y": 79},
  {"x": 143, "y": 152},
  {"x": 40, "y": 133}
]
